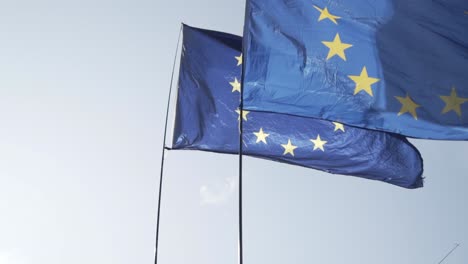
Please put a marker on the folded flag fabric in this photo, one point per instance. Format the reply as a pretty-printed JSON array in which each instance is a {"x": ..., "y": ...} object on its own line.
[
  {"x": 391, "y": 65},
  {"x": 207, "y": 118}
]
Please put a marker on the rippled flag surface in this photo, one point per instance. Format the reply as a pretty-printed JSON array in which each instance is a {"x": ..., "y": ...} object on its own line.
[
  {"x": 391, "y": 65},
  {"x": 207, "y": 118}
]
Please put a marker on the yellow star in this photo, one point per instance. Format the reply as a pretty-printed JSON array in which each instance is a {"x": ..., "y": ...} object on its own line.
[
  {"x": 261, "y": 136},
  {"x": 338, "y": 126},
  {"x": 319, "y": 143},
  {"x": 336, "y": 47},
  {"x": 239, "y": 59},
  {"x": 244, "y": 114},
  {"x": 289, "y": 148},
  {"x": 363, "y": 82},
  {"x": 407, "y": 106},
  {"x": 453, "y": 102},
  {"x": 236, "y": 86},
  {"x": 325, "y": 14}
]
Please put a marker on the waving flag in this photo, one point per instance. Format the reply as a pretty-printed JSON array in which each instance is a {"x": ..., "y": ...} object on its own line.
[
  {"x": 207, "y": 118},
  {"x": 392, "y": 65}
]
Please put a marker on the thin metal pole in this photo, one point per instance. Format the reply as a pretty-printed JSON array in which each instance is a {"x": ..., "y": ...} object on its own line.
[
  {"x": 241, "y": 148},
  {"x": 241, "y": 247},
  {"x": 453, "y": 249},
  {"x": 164, "y": 150},
  {"x": 241, "y": 124}
]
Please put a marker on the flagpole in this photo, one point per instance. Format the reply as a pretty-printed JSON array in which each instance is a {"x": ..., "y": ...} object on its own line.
[
  {"x": 163, "y": 151},
  {"x": 241, "y": 143},
  {"x": 241, "y": 148},
  {"x": 241, "y": 106}
]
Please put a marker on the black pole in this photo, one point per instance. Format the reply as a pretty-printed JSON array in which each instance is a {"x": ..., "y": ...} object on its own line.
[
  {"x": 241, "y": 251},
  {"x": 241, "y": 148},
  {"x": 164, "y": 151},
  {"x": 241, "y": 247}
]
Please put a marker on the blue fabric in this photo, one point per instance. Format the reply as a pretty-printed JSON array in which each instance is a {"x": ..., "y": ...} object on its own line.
[
  {"x": 206, "y": 120},
  {"x": 418, "y": 49}
]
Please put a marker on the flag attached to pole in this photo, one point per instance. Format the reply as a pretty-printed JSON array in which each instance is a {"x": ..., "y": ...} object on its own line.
[
  {"x": 391, "y": 65},
  {"x": 207, "y": 118}
]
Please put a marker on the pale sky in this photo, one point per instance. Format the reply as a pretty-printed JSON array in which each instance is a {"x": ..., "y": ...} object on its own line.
[{"x": 83, "y": 90}]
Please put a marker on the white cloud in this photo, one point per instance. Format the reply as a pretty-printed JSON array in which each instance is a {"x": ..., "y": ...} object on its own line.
[{"x": 217, "y": 195}]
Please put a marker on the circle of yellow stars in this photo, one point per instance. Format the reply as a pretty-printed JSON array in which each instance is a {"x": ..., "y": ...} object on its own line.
[
  {"x": 363, "y": 82},
  {"x": 262, "y": 136}
]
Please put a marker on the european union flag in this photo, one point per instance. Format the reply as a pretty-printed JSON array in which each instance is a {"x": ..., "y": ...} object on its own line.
[
  {"x": 207, "y": 118},
  {"x": 392, "y": 65}
]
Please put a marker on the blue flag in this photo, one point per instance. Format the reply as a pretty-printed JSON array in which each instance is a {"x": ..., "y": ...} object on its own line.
[
  {"x": 207, "y": 118},
  {"x": 393, "y": 65}
]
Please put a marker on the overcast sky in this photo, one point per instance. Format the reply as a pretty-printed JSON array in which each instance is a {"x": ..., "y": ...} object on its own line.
[{"x": 83, "y": 90}]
